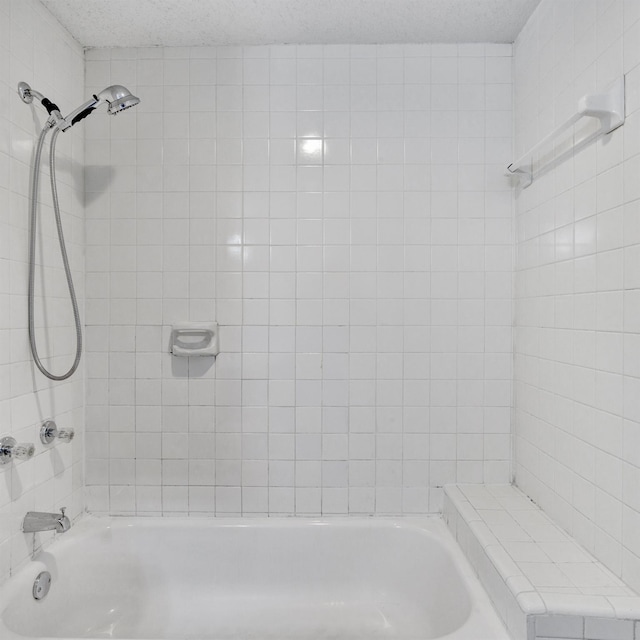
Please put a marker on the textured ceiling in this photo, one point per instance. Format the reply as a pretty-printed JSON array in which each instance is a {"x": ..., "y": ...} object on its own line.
[{"x": 127, "y": 23}]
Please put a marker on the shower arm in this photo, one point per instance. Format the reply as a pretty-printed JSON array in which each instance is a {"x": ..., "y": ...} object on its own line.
[{"x": 55, "y": 117}]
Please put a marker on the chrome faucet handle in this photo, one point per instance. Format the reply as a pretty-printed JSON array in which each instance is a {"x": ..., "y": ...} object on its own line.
[
  {"x": 66, "y": 435},
  {"x": 10, "y": 449},
  {"x": 49, "y": 432}
]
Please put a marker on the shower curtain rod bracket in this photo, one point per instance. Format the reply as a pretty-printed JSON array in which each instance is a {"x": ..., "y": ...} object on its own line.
[{"x": 525, "y": 175}]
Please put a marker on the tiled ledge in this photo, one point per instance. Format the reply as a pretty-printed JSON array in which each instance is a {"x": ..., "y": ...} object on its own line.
[{"x": 542, "y": 582}]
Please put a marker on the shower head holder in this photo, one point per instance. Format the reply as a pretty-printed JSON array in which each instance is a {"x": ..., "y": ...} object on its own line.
[{"x": 27, "y": 94}]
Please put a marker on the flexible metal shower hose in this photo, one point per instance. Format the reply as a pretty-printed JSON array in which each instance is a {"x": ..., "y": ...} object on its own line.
[{"x": 63, "y": 250}]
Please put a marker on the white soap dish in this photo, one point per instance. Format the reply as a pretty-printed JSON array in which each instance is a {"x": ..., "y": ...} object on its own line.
[{"x": 194, "y": 339}]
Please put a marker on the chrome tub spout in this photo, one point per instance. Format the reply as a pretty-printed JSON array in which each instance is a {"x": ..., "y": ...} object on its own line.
[{"x": 38, "y": 521}]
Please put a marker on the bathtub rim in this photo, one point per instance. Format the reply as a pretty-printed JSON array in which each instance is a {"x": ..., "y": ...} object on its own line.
[{"x": 431, "y": 526}]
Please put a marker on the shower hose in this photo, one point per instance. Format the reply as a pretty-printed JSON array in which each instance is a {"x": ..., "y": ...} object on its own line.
[{"x": 33, "y": 223}]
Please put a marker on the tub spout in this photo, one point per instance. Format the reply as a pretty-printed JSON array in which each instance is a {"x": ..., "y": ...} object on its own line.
[{"x": 38, "y": 521}]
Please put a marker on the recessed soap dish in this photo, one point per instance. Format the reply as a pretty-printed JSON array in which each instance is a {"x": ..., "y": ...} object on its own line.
[{"x": 194, "y": 339}]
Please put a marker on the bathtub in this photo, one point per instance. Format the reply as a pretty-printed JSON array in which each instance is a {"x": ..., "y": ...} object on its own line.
[{"x": 215, "y": 579}]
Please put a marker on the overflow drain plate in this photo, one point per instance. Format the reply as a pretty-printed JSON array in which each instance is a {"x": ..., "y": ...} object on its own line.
[{"x": 41, "y": 585}]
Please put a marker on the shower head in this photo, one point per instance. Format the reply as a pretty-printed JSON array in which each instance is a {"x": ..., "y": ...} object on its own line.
[{"x": 118, "y": 98}]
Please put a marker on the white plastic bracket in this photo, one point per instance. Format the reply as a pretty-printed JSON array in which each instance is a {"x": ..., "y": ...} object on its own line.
[
  {"x": 525, "y": 176},
  {"x": 608, "y": 107}
]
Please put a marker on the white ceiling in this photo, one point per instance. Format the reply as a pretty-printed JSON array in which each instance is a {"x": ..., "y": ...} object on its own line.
[{"x": 127, "y": 23}]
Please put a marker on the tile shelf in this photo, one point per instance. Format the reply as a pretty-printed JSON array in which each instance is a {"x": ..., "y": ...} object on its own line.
[{"x": 541, "y": 580}]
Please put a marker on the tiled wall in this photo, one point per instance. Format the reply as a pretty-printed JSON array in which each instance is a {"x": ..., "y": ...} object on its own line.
[
  {"x": 578, "y": 284},
  {"x": 34, "y": 48},
  {"x": 342, "y": 212}
]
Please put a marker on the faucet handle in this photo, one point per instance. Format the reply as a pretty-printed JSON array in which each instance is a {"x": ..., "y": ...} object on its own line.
[
  {"x": 66, "y": 435},
  {"x": 62, "y": 510},
  {"x": 24, "y": 451},
  {"x": 49, "y": 432},
  {"x": 10, "y": 449}
]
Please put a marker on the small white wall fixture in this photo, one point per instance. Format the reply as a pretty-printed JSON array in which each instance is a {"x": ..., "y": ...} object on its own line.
[{"x": 190, "y": 339}]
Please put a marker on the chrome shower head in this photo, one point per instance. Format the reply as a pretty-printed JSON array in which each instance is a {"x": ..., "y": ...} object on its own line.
[{"x": 118, "y": 98}]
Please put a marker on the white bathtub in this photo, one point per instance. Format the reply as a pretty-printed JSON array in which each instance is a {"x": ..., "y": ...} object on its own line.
[{"x": 168, "y": 579}]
